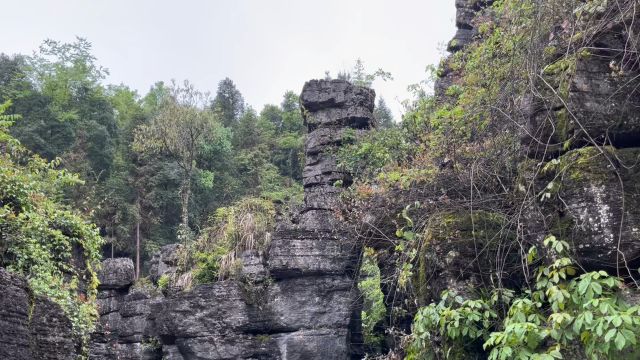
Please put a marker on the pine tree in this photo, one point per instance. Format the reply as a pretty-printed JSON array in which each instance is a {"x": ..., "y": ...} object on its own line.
[
  {"x": 383, "y": 116},
  {"x": 228, "y": 103}
]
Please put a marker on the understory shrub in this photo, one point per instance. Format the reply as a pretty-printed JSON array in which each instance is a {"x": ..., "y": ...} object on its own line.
[{"x": 564, "y": 316}]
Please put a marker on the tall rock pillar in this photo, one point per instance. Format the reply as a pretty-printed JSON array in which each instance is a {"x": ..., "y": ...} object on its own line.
[
  {"x": 296, "y": 300},
  {"x": 316, "y": 261},
  {"x": 333, "y": 110}
]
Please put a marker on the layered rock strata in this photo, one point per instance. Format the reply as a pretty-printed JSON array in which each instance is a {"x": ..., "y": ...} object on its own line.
[
  {"x": 584, "y": 124},
  {"x": 124, "y": 330},
  {"x": 31, "y": 327},
  {"x": 296, "y": 300}
]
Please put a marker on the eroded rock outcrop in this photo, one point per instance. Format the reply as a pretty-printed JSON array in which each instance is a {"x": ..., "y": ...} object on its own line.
[
  {"x": 296, "y": 300},
  {"x": 124, "y": 330},
  {"x": 31, "y": 327},
  {"x": 590, "y": 98},
  {"x": 584, "y": 124},
  {"x": 164, "y": 262}
]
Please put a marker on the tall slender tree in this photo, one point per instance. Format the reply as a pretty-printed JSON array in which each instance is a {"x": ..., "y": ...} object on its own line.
[{"x": 179, "y": 129}]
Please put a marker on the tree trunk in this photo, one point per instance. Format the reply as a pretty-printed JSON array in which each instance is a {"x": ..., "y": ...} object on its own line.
[
  {"x": 185, "y": 193},
  {"x": 138, "y": 248}
]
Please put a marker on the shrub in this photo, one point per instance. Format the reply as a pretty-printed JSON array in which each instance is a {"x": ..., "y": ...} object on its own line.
[
  {"x": 247, "y": 225},
  {"x": 564, "y": 315}
]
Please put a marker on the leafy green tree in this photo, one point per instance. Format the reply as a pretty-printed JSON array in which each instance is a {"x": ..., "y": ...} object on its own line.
[
  {"x": 66, "y": 113},
  {"x": 271, "y": 119},
  {"x": 361, "y": 77},
  {"x": 179, "y": 130},
  {"x": 289, "y": 155},
  {"x": 228, "y": 102},
  {"x": 358, "y": 75},
  {"x": 247, "y": 134},
  {"x": 64, "y": 71}
]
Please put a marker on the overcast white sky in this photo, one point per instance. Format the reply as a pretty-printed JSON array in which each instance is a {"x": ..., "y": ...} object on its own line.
[{"x": 265, "y": 46}]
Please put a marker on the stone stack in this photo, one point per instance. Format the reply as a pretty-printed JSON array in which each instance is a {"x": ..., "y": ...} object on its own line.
[
  {"x": 296, "y": 300},
  {"x": 124, "y": 330},
  {"x": 333, "y": 110}
]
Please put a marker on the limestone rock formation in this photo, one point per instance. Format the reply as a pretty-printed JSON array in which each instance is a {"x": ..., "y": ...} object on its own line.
[
  {"x": 297, "y": 300},
  {"x": 123, "y": 330},
  {"x": 599, "y": 101},
  {"x": 116, "y": 273},
  {"x": 31, "y": 327},
  {"x": 595, "y": 205},
  {"x": 164, "y": 262}
]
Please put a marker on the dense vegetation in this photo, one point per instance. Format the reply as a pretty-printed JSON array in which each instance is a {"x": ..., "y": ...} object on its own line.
[
  {"x": 458, "y": 187},
  {"x": 448, "y": 270},
  {"x": 42, "y": 238},
  {"x": 143, "y": 175}
]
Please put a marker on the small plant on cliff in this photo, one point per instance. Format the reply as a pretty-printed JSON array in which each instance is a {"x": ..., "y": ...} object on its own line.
[
  {"x": 563, "y": 314},
  {"x": 373, "y": 309},
  {"x": 247, "y": 225},
  {"x": 163, "y": 282},
  {"x": 41, "y": 238}
]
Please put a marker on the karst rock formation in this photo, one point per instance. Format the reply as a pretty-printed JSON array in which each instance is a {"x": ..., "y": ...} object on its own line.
[{"x": 297, "y": 300}]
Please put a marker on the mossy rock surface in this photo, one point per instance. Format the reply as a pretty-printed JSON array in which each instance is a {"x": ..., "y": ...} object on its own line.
[
  {"x": 460, "y": 250},
  {"x": 591, "y": 197},
  {"x": 581, "y": 101}
]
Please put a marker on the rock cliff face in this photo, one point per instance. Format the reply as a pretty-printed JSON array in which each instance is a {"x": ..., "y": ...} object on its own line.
[
  {"x": 124, "y": 330},
  {"x": 31, "y": 327},
  {"x": 586, "y": 129},
  {"x": 581, "y": 135},
  {"x": 297, "y": 300},
  {"x": 585, "y": 156}
]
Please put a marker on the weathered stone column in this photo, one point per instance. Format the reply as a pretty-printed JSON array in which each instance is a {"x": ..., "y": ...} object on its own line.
[
  {"x": 316, "y": 263},
  {"x": 296, "y": 300},
  {"x": 331, "y": 109}
]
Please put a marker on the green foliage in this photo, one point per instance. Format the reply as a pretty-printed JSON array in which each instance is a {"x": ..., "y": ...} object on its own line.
[
  {"x": 163, "y": 282},
  {"x": 180, "y": 129},
  {"x": 382, "y": 114},
  {"x": 69, "y": 114},
  {"x": 371, "y": 153},
  {"x": 42, "y": 239},
  {"x": 64, "y": 71},
  {"x": 373, "y": 309},
  {"x": 459, "y": 322},
  {"x": 246, "y": 225},
  {"x": 207, "y": 264},
  {"x": 564, "y": 315},
  {"x": 358, "y": 75},
  {"x": 228, "y": 103}
]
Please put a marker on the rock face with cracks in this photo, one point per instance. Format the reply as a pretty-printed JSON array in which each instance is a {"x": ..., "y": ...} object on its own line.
[
  {"x": 297, "y": 300},
  {"x": 31, "y": 327}
]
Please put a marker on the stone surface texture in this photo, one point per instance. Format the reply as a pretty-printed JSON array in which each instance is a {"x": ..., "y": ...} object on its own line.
[{"x": 31, "y": 327}]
